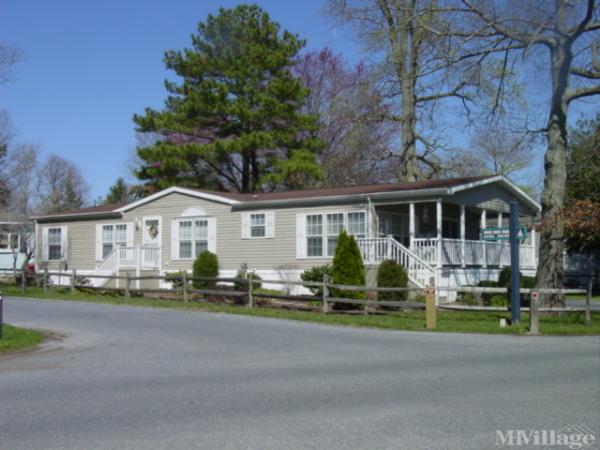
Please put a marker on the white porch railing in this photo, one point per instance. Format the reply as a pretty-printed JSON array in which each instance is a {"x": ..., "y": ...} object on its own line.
[
  {"x": 476, "y": 253},
  {"x": 379, "y": 249},
  {"x": 144, "y": 257}
]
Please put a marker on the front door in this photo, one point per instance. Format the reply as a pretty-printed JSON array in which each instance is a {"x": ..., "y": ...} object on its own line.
[{"x": 152, "y": 231}]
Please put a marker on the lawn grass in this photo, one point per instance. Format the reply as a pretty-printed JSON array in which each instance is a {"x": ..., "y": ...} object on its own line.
[
  {"x": 448, "y": 321},
  {"x": 595, "y": 298},
  {"x": 19, "y": 338}
]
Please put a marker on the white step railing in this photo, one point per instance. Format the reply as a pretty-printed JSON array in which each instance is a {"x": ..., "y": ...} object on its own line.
[
  {"x": 144, "y": 257},
  {"x": 375, "y": 250}
]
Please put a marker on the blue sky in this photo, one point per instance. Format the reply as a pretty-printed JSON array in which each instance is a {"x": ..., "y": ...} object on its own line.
[{"x": 90, "y": 65}]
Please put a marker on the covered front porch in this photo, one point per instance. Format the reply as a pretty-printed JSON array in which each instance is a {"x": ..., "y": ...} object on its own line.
[{"x": 448, "y": 234}]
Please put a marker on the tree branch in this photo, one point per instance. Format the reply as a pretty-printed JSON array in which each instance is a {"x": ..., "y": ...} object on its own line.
[{"x": 575, "y": 94}]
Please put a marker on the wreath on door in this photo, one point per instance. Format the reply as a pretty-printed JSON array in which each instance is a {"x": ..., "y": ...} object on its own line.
[{"x": 153, "y": 230}]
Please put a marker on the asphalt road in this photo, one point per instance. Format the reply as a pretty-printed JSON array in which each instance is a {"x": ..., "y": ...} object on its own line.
[{"x": 141, "y": 378}]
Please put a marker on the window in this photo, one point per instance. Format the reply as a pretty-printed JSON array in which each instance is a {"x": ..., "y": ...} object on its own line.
[
  {"x": 258, "y": 225},
  {"x": 54, "y": 243},
  {"x": 314, "y": 235},
  {"x": 357, "y": 224},
  {"x": 335, "y": 224},
  {"x": 4, "y": 238},
  {"x": 113, "y": 236},
  {"x": 193, "y": 238},
  {"x": 323, "y": 230}
]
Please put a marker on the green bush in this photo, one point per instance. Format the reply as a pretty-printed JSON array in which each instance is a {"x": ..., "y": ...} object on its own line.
[
  {"x": 391, "y": 274},
  {"x": 485, "y": 297},
  {"x": 348, "y": 268},
  {"x": 175, "y": 278},
  {"x": 504, "y": 280},
  {"x": 316, "y": 274},
  {"x": 499, "y": 300},
  {"x": 206, "y": 265},
  {"x": 468, "y": 298}
]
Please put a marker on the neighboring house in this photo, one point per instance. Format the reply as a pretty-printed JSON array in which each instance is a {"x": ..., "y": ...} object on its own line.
[
  {"x": 16, "y": 240},
  {"x": 430, "y": 227}
]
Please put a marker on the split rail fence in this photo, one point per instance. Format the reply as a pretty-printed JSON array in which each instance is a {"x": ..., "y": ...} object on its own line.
[{"x": 245, "y": 288}]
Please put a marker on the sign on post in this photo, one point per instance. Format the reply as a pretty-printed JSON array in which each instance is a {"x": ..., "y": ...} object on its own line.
[{"x": 502, "y": 233}]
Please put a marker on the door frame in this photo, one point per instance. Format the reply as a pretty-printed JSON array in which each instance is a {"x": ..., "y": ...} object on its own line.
[{"x": 160, "y": 230}]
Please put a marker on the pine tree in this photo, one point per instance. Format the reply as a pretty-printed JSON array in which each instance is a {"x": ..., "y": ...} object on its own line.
[
  {"x": 234, "y": 122},
  {"x": 120, "y": 192},
  {"x": 348, "y": 267}
]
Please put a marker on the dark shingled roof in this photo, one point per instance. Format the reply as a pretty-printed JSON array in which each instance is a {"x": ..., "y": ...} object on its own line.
[
  {"x": 300, "y": 194},
  {"x": 346, "y": 190},
  {"x": 88, "y": 210}
]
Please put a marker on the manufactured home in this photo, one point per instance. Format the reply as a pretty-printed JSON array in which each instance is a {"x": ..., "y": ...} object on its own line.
[{"x": 431, "y": 227}]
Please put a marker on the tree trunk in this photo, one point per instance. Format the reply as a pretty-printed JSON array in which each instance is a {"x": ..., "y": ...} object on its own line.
[{"x": 550, "y": 270}]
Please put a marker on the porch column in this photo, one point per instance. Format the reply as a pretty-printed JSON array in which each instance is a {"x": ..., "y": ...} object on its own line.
[
  {"x": 411, "y": 225},
  {"x": 439, "y": 231},
  {"x": 533, "y": 249},
  {"x": 500, "y": 222},
  {"x": 484, "y": 243},
  {"x": 463, "y": 233}
]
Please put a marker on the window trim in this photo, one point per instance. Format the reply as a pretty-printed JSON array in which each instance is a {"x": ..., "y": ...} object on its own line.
[
  {"x": 324, "y": 235},
  {"x": 269, "y": 224},
  {"x": 192, "y": 241},
  {"x": 61, "y": 244}
]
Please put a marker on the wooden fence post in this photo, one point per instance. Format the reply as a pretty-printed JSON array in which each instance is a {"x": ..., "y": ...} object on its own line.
[
  {"x": 127, "y": 283},
  {"x": 325, "y": 294},
  {"x": 23, "y": 277},
  {"x": 45, "y": 281},
  {"x": 250, "y": 296},
  {"x": 73, "y": 280},
  {"x": 534, "y": 313},
  {"x": 588, "y": 301},
  {"x": 430, "y": 311},
  {"x": 184, "y": 286}
]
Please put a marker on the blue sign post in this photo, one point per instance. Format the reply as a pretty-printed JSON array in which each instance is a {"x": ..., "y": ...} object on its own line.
[{"x": 515, "y": 295}]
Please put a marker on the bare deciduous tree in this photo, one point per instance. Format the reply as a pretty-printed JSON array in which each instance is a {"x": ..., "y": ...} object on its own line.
[
  {"x": 9, "y": 56},
  {"x": 565, "y": 37},
  {"x": 62, "y": 186},
  {"x": 344, "y": 98}
]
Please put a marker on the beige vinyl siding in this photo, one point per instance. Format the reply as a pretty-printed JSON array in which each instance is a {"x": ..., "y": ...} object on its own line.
[{"x": 232, "y": 250}]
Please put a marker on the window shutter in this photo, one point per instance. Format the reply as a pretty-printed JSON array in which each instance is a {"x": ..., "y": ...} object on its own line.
[
  {"x": 212, "y": 234},
  {"x": 98, "y": 242},
  {"x": 301, "y": 236},
  {"x": 174, "y": 239},
  {"x": 45, "y": 244},
  {"x": 129, "y": 231},
  {"x": 245, "y": 225},
  {"x": 270, "y": 224},
  {"x": 64, "y": 242}
]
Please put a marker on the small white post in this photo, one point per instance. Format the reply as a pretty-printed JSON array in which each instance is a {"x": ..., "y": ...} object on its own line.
[
  {"x": 411, "y": 225},
  {"x": 484, "y": 244},
  {"x": 438, "y": 215},
  {"x": 500, "y": 221},
  {"x": 463, "y": 233}
]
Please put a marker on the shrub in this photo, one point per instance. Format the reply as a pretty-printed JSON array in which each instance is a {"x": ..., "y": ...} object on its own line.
[
  {"x": 206, "y": 265},
  {"x": 316, "y": 274},
  {"x": 468, "y": 298},
  {"x": 499, "y": 300},
  {"x": 391, "y": 274},
  {"x": 175, "y": 278},
  {"x": 485, "y": 297},
  {"x": 504, "y": 280},
  {"x": 348, "y": 268},
  {"x": 244, "y": 273}
]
